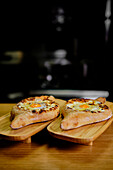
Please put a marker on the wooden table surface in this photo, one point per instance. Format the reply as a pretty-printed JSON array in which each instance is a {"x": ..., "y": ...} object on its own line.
[{"x": 46, "y": 152}]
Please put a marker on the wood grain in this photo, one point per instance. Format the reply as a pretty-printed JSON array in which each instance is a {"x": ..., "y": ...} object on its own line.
[
  {"x": 20, "y": 134},
  {"x": 83, "y": 135}
]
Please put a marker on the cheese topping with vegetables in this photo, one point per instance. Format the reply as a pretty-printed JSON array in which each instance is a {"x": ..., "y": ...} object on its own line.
[
  {"x": 35, "y": 104},
  {"x": 86, "y": 105}
]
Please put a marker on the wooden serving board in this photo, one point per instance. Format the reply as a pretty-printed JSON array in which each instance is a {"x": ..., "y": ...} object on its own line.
[
  {"x": 83, "y": 135},
  {"x": 22, "y": 134}
]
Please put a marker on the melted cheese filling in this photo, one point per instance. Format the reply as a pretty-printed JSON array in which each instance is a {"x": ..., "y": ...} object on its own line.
[
  {"x": 85, "y": 106},
  {"x": 37, "y": 105}
]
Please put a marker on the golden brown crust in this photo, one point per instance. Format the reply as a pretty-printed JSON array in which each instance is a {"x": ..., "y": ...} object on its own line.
[
  {"x": 21, "y": 117},
  {"x": 75, "y": 118},
  {"x": 101, "y": 99},
  {"x": 38, "y": 97}
]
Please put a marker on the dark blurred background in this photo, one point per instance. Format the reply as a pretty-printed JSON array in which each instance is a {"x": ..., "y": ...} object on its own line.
[{"x": 63, "y": 48}]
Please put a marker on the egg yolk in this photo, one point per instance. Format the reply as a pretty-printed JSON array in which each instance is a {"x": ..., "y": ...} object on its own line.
[
  {"x": 84, "y": 106},
  {"x": 35, "y": 105}
]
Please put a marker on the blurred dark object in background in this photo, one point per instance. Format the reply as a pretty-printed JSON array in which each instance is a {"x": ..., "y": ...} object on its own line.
[{"x": 60, "y": 45}]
